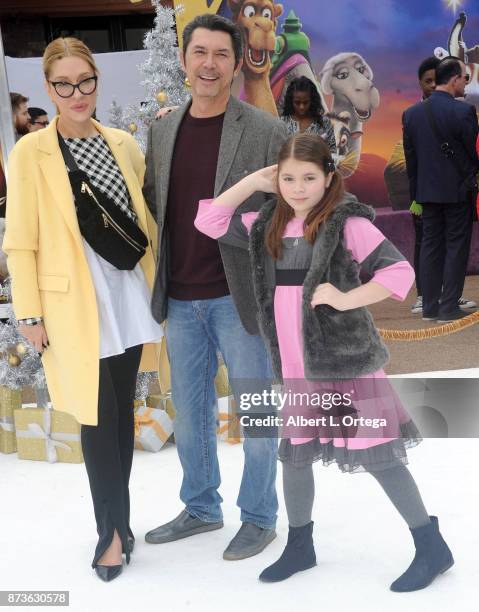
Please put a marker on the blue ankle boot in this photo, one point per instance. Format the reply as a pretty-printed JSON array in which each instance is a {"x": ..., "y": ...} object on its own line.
[
  {"x": 298, "y": 555},
  {"x": 432, "y": 558}
]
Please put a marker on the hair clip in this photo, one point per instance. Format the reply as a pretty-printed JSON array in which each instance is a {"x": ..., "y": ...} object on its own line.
[{"x": 330, "y": 166}]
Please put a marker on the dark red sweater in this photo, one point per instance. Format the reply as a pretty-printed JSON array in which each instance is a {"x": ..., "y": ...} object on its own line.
[{"x": 196, "y": 268}]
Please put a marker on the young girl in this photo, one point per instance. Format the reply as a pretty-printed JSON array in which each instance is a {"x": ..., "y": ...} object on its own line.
[
  {"x": 306, "y": 248},
  {"x": 304, "y": 112}
]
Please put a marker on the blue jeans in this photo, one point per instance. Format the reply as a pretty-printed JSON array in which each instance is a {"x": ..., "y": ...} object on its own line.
[{"x": 195, "y": 331}]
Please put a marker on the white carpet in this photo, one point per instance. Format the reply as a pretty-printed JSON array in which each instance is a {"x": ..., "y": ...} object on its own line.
[{"x": 48, "y": 538}]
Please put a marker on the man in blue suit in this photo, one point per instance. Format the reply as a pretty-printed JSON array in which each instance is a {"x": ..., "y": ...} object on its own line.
[{"x": 441, "y": 160}]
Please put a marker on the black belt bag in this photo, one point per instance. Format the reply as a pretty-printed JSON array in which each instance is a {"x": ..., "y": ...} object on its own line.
[{"x": 106, "y": 228}]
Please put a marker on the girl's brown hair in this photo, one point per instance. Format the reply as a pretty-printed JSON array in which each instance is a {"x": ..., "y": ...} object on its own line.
[
  {"x": 306, "y": 148},
  {"x": 66, "y": 47}
]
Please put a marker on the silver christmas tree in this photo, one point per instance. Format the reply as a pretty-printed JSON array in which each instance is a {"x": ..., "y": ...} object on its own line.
[
  {"x": 20, "y": 364},
  {"x": 164, "y": 80},
  {"x": 116, "y": 116}
]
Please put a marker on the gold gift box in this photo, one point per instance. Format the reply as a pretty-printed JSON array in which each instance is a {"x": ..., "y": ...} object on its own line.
[
  {"x": 222, "y": 383},
  {"x": 47, "y": 435},
  {"x": 228, "y": 428},
  {"x": 162, "y": 401},
  {"x": 10, "y": 400}
]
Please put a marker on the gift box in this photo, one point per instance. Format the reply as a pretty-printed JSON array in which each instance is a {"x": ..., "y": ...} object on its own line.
[
  {"x": 222, "y": 383},
  {"x": 47, "y": 435},
  {"x": 153, "y": 428},
  {"x": 162, "y": 401},
  {"x": 10, "y": 400},
  {"x": 228, "y": 422}
]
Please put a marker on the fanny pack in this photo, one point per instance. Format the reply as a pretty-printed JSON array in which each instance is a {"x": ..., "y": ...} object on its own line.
[{"x": 108, "y": 230}]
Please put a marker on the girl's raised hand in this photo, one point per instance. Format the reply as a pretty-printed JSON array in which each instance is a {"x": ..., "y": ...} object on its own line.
[
  {"x": 164, "y": 111},
  {"x": 265, "y": 179},
  {"x": 325, "y": 293}
]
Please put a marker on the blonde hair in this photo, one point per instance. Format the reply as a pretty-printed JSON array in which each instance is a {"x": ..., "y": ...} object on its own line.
[{"x": 66, "y": 47}]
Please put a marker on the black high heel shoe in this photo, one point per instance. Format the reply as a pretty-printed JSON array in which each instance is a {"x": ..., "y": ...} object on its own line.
[{"x": 107, "y": 573}]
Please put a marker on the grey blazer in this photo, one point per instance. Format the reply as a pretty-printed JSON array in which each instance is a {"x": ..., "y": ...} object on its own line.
[{"x": 250, "y": 140}]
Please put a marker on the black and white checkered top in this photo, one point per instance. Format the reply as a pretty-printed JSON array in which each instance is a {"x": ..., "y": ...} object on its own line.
[{"x": 94, "y": 157}]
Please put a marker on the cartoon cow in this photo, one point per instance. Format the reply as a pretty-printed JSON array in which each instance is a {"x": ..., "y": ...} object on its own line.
[
  {"x": 349, "y": 79},
  {"x": 257, "y": 20}
]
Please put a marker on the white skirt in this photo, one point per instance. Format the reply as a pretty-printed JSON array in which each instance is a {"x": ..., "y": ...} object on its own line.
[{"x": 123, "y": 300}]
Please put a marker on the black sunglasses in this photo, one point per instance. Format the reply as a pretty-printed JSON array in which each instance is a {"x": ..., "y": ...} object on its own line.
[
  {"x": 66, "y": 90},
  {"x": 44, "y": 123}
]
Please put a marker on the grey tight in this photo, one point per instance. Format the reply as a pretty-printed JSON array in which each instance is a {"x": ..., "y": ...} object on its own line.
[{"x": 397, "y": 482}]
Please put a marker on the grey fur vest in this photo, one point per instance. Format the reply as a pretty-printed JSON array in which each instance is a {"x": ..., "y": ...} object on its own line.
[{"x": 337, "y": 345}]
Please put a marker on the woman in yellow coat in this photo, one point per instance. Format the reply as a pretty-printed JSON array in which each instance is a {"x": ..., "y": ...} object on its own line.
[{"x": 90, "y": 320}]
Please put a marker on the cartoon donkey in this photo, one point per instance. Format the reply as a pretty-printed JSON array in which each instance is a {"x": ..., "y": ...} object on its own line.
[
  {"x": 470, "y": 57},
  {"x": 257, "y": 20}
]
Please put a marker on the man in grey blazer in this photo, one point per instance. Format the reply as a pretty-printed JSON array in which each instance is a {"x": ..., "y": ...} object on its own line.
[{"x": 203, "y": 289}]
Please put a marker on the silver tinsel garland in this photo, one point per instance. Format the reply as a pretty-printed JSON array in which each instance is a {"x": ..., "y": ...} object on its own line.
[
  {"x": 143, "y": 384},
  {"x": 162, "y": 73}
]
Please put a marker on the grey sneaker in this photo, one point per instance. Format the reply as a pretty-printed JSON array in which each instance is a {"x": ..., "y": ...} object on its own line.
[
  {"x": 465, "y": 303},
  {"x": 183, "y": 526},
  {"x": 417, "y": 307},
  {"x": 249, "y": 541}
]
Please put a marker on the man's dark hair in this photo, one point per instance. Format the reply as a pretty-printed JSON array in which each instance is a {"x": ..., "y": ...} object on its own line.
[
  {"x": 36, "y": 112},
  {"x": 215, "y": 23},
  {"x": 16, "y": 99},
  {"x": 430, "y": 63},
  {"x": 448, "y": 68}
]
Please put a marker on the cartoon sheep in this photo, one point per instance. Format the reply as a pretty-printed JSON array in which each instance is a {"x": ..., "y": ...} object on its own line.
[{"x": 349, "y": 79}]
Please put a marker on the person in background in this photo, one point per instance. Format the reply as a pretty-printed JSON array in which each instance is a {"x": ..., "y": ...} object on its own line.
[
  {"x": 304, "y": 112},
  {"x": 427, "y": 83},
  {"x": 477, "y": 204},
  {"x": 397, "y": 183},
  {"x": 439, "y": 137},
  {"x": 21, "y": 117},
  {"x": 38, "y": 118},
  {"x": 3, "y": 188}
]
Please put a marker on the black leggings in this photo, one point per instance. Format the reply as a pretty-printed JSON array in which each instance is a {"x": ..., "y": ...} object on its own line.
[{"x": 108, "y": 448}]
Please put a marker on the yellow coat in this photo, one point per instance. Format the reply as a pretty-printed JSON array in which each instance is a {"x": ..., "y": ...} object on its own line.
[{"x": 46, "y": 260}]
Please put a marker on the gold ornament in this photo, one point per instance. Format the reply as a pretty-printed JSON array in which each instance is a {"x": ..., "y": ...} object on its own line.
[
  {"x": 14, "y": 360},
  {"x": 187, "y": 83},
  {"x": 162, "y": 97},
  {"x": 133, "y": 128},
  {"x": 21, "y": 348}
]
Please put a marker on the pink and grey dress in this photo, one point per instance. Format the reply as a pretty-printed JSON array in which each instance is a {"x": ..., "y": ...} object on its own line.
[{"x": 353, "y": 449}]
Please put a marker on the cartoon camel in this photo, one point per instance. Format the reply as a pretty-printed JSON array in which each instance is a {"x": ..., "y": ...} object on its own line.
[
  {"x": 470, "y": 57},
  {"x": 291, "y": 60},
  {"x": 349, "y": 79},
  {"x": 257, "y": 20}
]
